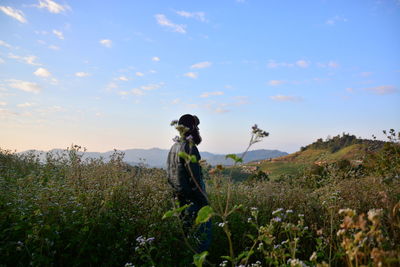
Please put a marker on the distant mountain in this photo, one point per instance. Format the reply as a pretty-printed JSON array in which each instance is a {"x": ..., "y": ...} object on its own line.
[{"x": 156, "y": 157}]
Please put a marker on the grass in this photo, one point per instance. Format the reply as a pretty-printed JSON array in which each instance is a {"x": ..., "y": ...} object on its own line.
[
  {"x": 70, "y": 212},
  {"x": 297, "y": 163}
]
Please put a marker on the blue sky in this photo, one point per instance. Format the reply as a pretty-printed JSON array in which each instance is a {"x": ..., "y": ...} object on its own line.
[{"x": 113, "y": 74}]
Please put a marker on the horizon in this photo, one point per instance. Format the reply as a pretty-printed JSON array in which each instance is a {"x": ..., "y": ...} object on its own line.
[{"x": 114, "y": 76}]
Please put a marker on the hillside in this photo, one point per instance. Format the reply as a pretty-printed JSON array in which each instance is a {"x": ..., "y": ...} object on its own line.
[{"x": 321, "y": 153}]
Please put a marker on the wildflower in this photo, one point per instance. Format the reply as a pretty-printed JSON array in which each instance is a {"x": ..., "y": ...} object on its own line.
[
  {"x": 348, "y": 212},
  {"x": 150, "y": 240},
  {"x": 277, "y": 211},
  {"x": 374, "y": 214},
  {"x": 260, "y": 246},
  {"x": 222, "y": 224},
  {"x": 249, "y": 220},
  {"x": 129, "y": 264},
  {"x": 277, "y": 246},
  {"x": 296, "y": 262},
  {"x": 289, "y": 211},
  {"x": 341, "y": 232},
  {"x": 189, "y": 138},
  {"x": 224, "y": 263},
  {"x": 254, "y": 208},
  {"x": 301, "y": 215},
  {"x": 276, "y": 219},
  {"x": 181, "y": 129},
  {"x": 256, "y": 264},
  {"x": 313, "y": 256}
]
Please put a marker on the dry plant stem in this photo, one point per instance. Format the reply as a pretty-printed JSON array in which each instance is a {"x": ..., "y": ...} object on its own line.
[
  {"x": 228, "y": 198},
  {"x": 194, "y": 180}
]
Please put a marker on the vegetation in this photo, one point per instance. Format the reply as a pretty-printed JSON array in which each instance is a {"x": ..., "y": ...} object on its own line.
[
  {"x": 73, "y": 212},
  {"x": 333, "y": 153}
]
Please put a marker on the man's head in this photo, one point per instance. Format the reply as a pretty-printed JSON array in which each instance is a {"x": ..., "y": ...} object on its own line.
[{"x": 191, "y": 122}]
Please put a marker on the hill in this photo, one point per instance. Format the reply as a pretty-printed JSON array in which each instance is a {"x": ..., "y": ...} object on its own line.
[
  {"x": 320, "y": 153},
  {"x": 156, "y": 157}
]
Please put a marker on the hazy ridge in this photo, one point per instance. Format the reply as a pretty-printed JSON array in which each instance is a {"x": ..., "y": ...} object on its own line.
[{"x": 156, "y": 157}]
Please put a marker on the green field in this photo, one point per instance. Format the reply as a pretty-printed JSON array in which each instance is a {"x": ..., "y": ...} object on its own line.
[{"x": 73, "y": 212}]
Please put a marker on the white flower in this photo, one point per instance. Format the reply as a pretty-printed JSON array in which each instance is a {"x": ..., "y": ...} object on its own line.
[
  {"x": 276, "y": 219},
  {"x": 277, "y": 211}
]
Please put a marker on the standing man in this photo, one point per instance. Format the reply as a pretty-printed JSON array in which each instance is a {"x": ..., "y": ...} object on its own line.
[{"x": 186, "y": 178}]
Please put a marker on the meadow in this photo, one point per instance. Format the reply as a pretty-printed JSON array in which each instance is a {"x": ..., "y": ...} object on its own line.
[{"x": 67, "y": 211}]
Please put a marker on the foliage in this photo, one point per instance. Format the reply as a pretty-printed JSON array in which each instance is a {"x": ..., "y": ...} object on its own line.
[
  {"x": 69, "y": 211},
  {"x": 338, "y": 142}
]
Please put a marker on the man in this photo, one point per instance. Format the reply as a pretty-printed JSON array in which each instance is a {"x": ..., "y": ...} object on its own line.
[{"x": 186, "y": 178}]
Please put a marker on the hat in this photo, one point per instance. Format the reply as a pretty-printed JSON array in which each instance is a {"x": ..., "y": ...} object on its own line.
[{"x": 188, "y": 120}]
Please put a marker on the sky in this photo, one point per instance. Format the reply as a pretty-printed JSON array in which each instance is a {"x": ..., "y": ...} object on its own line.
[{"x": 114, "y": 74}]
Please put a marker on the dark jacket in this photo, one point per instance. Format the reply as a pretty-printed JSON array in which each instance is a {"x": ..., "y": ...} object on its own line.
[{"x": 180, "y": 178}]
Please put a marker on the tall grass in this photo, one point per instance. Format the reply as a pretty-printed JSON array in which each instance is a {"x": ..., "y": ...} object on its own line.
[{"x": 73, "y": 212}]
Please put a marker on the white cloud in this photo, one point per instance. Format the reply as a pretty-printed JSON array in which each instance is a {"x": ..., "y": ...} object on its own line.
[
  {"x": 208, "y": 94},
  {"x": 286, "y": 98},
  {"x": 59, "y": 34},
  {"x": 333, "y": 64},
  {"x": 163, "y": 21},
  {"x": 54, "y": 47},
  {"x": 137, "y": 91},
  {"x": 14, "y": 13},
  {"x": 25, "y": 86},
  {"x": 140, "y": 74},
  {"x": 1, "y": 61},
  {"x": 201, "y": 16},
  {"x": 82, "y": 74},
  {"x": 192, "y": 75},
  {"x": 382, "y": 90},
  {"x": 275, "y": 82},
  {"x": 335, "y": 19},
  {"x": 302, "y": 63},
  {"x": 221, "y": 110},
  {"x": 201, "y": 65},
  {"x": 52, "y": 6},
  {"x": 152, "y": 86},
  {"x": 155, "y": 58},
  {"x": 3, "y": 103},
  {"x": 5, "y": 113},
  {"x": 350, "y": 90},
  {"x": 28, "y": 60},
  {"x": 176, "y": 101},
  {"x": 111, "y": 86},
  {"x": 123, "y": 93},
  {"x": 240, "y": 100},
  {"x": 42, "y": 72},
  {"x": 106, "y": 42},
  {"x": 272, "y": 64},
  {"x": 2, "y": 43},
  {"x": 26, "y": 105},
  {"x": 123, "y": 78}
]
